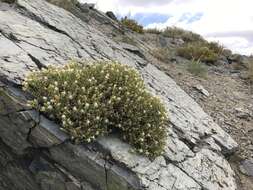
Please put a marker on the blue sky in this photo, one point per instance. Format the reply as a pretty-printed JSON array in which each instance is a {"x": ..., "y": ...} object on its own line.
[{"x": 229, "y": 22}]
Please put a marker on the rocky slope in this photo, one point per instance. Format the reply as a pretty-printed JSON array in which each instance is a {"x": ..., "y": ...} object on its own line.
[{"x": 35, "y": 154}]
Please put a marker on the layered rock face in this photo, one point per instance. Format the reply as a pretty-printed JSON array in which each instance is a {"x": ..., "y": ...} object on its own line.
[{"x": 36, "y": 155}]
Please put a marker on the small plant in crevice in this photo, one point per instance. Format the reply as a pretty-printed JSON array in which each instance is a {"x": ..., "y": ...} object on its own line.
[
  {"x": 197, "y": 68},
  {"x": 92, "y": 100}
]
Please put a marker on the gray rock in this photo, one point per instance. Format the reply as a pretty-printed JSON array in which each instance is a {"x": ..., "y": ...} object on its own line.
[
  {"x": 47, "y": 134},
  {"x": 246, "y": 167},
  {"x": 111, "y": 15},
  {"x": 38, "y": 34},
  {"x": 242, "y": 113},
  {"x": 207, "y": 168},
  {"x": 202, "y": 90}
]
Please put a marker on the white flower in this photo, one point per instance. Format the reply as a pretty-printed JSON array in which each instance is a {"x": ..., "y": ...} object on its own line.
[
  {"x": 95, "y": 104},
  {"x": 43, "y": 109},
  {"x": 70, "y": 97},
  {"x": 56, "y": 83},
  {"x": 82, "y": 111},
  {"x": 88, "y": 140},
  {"x": 97, "y": 118},
  {"x": 50, "y": 107},
  {"x": 74, "y": 108},
  {"x": 141, "y": 139},
  {"x": 88, "y": 122},
  {"x": 140, "y": 150},
  {"x": 118, "y": 98},
  {"x": 87, "y": 105},
  {"x": 44, "y": 98},
  {"x": 63, "y": 116},
  {"x": 106, "y": 120}
]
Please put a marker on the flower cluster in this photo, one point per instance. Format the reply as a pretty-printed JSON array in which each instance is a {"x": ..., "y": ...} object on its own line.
[{"x": 92, "y": 100}]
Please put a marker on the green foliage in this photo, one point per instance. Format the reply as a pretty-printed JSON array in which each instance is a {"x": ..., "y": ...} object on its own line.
[
  {"x": 187, "y": 36},
  {"x": 198, "y": 51},
  {"x": 94, "y": 99},
  {"x": 153, "y": 31},
  {"x": 197, "y": 68},
  {"x": 215, "y": 47},
  {"x": 161, "y": 54},
  {"x": 132, "y": 25}
]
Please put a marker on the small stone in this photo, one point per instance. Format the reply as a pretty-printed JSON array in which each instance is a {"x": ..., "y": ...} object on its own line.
[
  {"x": 202, "y": 90},
  {"x": 246, "y": 167},
  {"x": 242, "y": 113}
]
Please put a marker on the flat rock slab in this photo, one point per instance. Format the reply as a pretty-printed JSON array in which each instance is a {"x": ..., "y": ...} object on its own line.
[{"x": 39, "y": 34}]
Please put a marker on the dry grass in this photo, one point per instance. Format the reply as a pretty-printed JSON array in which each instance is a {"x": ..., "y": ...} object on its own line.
[
  {"x": 161, "y": 54},
  {"x": 250, "y": 71},
  {"x": 198, "y": 51},
  {"x": 187, "y": 36},
  {"x": 197, "y": 68},
  {"x": 153, "y": 31},
  {"x": 132, "y": 25}
]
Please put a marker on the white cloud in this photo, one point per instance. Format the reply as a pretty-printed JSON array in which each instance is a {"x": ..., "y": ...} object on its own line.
[{"x": 230, "y": 17}]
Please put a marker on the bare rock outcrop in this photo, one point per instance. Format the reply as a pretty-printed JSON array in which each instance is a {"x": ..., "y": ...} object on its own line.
[{"x": 35, "y": 154}]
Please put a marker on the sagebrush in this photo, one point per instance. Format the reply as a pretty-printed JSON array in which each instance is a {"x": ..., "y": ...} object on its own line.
[
  {"x": 198, "y": 51},
  {"x": 96, "y": 99}
]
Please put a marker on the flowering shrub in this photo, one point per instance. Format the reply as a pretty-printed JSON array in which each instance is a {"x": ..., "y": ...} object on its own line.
[{"x": 96, "y": 99}]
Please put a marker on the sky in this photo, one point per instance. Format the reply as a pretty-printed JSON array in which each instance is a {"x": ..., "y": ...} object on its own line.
[{"x": 229, "y": 22}]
